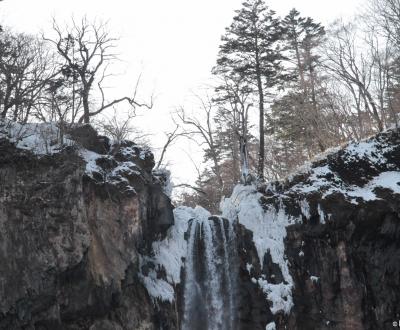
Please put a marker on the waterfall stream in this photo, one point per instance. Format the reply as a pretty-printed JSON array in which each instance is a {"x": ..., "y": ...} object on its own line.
[{"x": 210, "y": 276}]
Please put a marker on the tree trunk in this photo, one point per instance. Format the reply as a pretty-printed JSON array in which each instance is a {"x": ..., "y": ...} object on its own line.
[
  {"x": 244, "y": 160},
  {"x": 261, "y": 152},
  {"x": 317, "y": 120},
  {"x": 369, "y": 102},
  {"x": 235, "y": 158},
  {"x": 85, "y": 103},
  {"x": 300, "y": 67},
  {"x": 218, "y": 172}
]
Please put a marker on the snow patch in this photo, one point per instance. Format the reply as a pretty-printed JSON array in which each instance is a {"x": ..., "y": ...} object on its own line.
[
  {"x": 120, "y": 172},
  {"x": 370, "y": 150},
  {"x": 172, "y": 250},
  {"x": 324, "y": 179},
  {"x": 388, "y": 180},
  {"x": 314, "y": 279},
  {"x": 305, "y": 208},
  {"x": 269, "y": 231},
  {"x": 170, "y": 253},
  {"x": 249, "y": 267},
  {"x": 270, "y": 326},
  {"x": 318, "y": 181},
  {"x": 40, "y": 138},
  {"x": 158, "y": 288},
  {"x": 279, "y": 294},
  {"x": 90, "y": 158},
  {"x": 321, "y": 215}
]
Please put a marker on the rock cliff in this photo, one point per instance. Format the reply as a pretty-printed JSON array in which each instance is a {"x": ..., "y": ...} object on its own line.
[
  {"x": 327, "y": 238},
  {"x": 73, "y": 224},
  {"x": 89, "y": 240}
]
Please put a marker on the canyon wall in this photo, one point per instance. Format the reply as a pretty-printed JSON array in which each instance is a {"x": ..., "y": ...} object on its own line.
[
  {"x": 89, "y": 240},
  {"x": 73, "y": 225}
]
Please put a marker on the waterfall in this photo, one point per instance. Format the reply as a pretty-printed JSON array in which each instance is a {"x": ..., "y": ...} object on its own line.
[{"x": 210, "y": 275}]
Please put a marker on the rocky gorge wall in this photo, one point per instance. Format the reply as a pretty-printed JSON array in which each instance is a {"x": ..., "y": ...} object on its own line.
[
  {"x": 73, "y": 224},
  {"x": 345, "y": 254},
  {"x": 340, "y": 245},
  {"x": 89, "y": 240}
]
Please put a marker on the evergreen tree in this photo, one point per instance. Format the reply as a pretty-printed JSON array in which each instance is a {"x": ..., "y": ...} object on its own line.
[
  {"x": 250, "y": 50},
  {"x": 298, "y": 117},
  {"x": 303, "y": 36}
]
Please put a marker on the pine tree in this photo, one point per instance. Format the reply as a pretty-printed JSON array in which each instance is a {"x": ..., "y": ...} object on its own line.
[
  {"x": 302, "y": 36},
  {"x": 298, "y": 114},
  {"x": 250, "y": 50}
]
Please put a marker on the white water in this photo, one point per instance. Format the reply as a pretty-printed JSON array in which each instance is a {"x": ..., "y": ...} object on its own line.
[{"x": 210, "y": 287}]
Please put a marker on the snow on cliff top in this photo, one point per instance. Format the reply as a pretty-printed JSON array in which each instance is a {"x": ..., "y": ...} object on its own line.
[
  {"x": 105, "y": 162},
  {"x": 40, "y": 138},
  {"x": 354, "y": 171},
  {"x": 124, "y": 166}
]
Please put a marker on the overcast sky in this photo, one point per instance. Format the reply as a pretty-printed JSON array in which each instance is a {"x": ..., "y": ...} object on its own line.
[{"x": 172, "y": 43}]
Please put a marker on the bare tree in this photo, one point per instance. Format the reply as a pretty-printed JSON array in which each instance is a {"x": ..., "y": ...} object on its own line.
[
  {"x": 119, "y": 127},
  {"x": 171, "y": 138},
  {"x": 198, "y": 126},
  {"x": 386, "y": 15},
  {"x": 87, "y": 49},
  {"x": 234, "y": 101},
  {"x": 382, "y": 19},
  {"x": 24, "y": 73},
  {"x": 354, "y": 68}
]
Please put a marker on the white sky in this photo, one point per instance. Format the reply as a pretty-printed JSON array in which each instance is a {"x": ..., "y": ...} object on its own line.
[{"x": 173, "y": 43}]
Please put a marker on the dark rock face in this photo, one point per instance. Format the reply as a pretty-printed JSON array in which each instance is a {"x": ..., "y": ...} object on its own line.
[
  {"x": 344, "y": 255},
  {"x": 356, "y": 261},
  {"x": 87, "y": 137},
  {"x": 69, "y": 243},
  {"x": 252, "y": 306}
]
